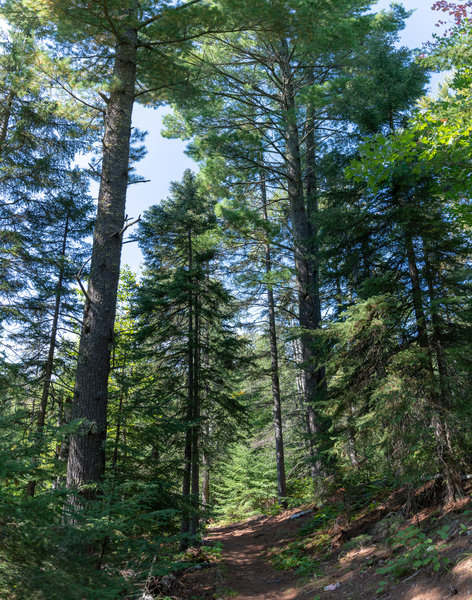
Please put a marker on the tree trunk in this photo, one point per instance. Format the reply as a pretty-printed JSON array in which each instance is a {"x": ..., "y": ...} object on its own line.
[
  {"x": 188, "y": 451},
  {"x": 5, "y": 122},
  {"x": 448, "y": 455},
  {"x": 351, "y": 448},
  {"x": 300, "y": 379},
  {"x": 312, "y": 208},
  {"x": 302, "y": 238},
  {"x": 436, "y": 330},
  {"x": 86, "y": 464},
  {"x": 416, "y": 292},
  {"x": 185, "y": 523},
  {"x": 123, "y": 396},
  {"x": 205, "y": 479},
  {"x": 31, "y": 486},
  {"x": 62, "y": 448},
  {"x": 194, "y": 520},
  {"x": 274, "y": 368},
  {"x": 205, "y": 428},
  {"x": 439, "y": 402}
]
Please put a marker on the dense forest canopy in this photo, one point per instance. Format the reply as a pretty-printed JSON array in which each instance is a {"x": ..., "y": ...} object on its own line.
[{"x": 303, "y": 320}]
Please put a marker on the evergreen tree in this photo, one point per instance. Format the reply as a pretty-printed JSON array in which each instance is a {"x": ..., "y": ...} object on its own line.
[
  {"x": 140, "y": 45},
  {"x": 287, "y": 86},
  {"x": 45, "y": 218},
  {"x": 408, "y": 220},
  {"x": 186, "y": 315}
]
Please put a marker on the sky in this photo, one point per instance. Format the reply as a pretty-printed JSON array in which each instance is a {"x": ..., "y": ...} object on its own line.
[{"x": 165, "y": 160}]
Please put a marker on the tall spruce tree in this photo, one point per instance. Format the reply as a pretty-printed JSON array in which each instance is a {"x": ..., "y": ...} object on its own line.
[
  {"x": 45, "y": 216},
  {"x": 188, "y": 323},
  {"x": 119, "y": 51},
  {"x": 407, "y": 219}
]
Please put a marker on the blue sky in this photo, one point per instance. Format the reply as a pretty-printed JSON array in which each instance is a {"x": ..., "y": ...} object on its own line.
[
  {"x": 420, "y": 25},
  {"x": 166, "y": 161}
]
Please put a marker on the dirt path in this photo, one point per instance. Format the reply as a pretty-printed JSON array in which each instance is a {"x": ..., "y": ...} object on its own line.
[
  {"x": 245, "y": 572},
  {"x": 245, "y": 556}
]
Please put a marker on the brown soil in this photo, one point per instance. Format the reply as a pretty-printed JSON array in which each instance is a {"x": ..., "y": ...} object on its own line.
[{"x": 244, "y": 571}]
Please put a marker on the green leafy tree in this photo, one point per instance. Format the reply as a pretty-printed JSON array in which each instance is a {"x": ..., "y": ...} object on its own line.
[{"x": 408, "y": 216}]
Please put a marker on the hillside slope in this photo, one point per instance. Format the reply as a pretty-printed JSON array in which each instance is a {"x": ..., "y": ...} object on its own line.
[{"x": 329, "y": 554}]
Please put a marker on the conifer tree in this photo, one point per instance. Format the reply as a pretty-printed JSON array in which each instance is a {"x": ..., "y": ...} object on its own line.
[
  {"x": 408, "y": 219},
  {"x": 45, "y": 216},
  {"x": 186, "y": 322},
  {"x": 287, "y": 97},
  {"x": 140, "y": 45}
]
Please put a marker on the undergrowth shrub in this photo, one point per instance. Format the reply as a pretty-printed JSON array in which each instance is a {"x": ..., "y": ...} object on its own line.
[
  {"x": 295, "y": 557},
  {"x": 321, "y": 519},
  {"x": 415, "y": 550},
  {"x": 105, "y": 553}
]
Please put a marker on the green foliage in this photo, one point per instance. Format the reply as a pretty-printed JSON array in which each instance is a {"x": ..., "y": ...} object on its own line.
[
  {"x": 215, "y": 551},
  {"x": 226, "y": 593},
  {"x": 323, "y": 517},
  {"x": 47, "y": 555},
  {"x": 380, "y": 375},
  {"x": 246, "y": 483},
  {"x": 357, "y": 542},
  {"x": 414, "y": 551},
  {"x": 295, "y": 557},
  {"x": 388, "y": 244}
]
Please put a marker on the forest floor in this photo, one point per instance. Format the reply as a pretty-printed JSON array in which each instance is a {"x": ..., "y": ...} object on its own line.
[{"x": 335, "y": 553}]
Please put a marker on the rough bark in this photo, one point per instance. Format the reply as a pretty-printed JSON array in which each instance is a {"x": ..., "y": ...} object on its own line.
[
  {"x": 195, "y": 476},
  {"x": 186, "y": 482},
  {"x": 205, "y": 428},
  {"x": 86, "y": 464},
  {"x": 5, "y": 122},
  {"x": 274, "y": 368},
  {"x": 187, "y": 475},
  {"x": 308, "y": 303}
]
